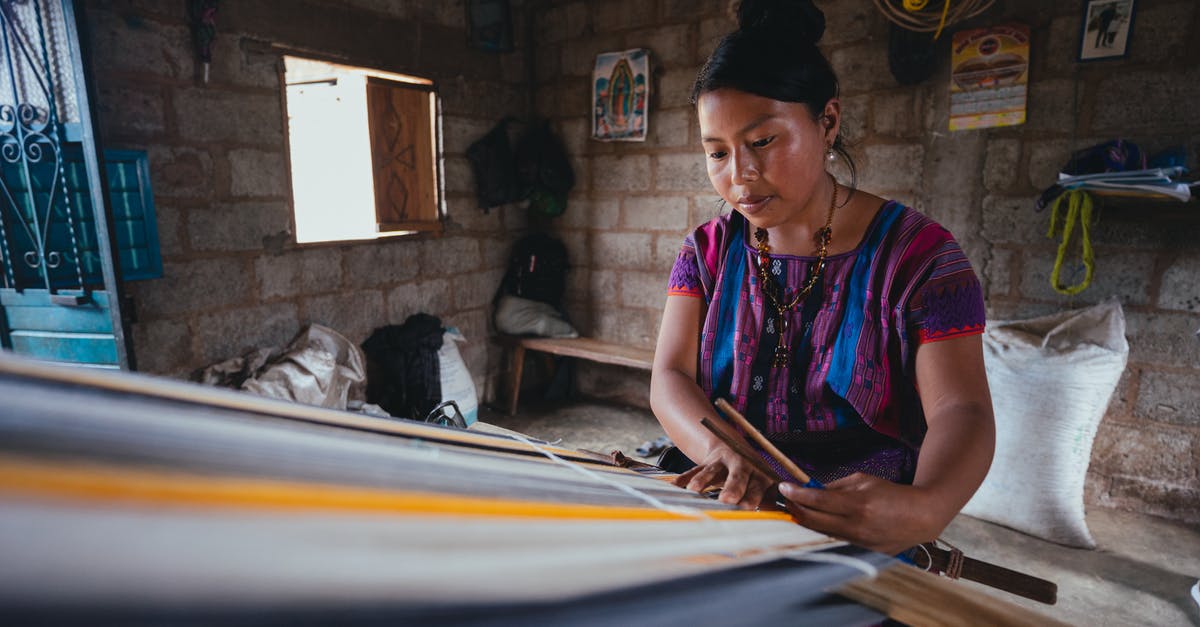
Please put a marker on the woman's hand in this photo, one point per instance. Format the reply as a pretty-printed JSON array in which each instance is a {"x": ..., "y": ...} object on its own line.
[
  {"x": 742, "y": 484},
  {"x": 954, "y": 458},
  {"x": 870, "y": 512}
]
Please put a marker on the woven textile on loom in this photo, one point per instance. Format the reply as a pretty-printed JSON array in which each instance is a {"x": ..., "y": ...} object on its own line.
[{"x": 130, "y": 499}]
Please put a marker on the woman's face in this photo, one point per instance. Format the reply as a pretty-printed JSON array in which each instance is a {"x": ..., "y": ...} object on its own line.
[{"x": 766, "y": 157}]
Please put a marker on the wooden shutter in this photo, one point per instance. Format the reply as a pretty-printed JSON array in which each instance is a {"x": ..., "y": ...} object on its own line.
[{"x": 401, "y": 119}]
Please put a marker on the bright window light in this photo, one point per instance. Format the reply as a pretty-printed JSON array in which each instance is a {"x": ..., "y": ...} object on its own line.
[{"x": 329, "y": 134}]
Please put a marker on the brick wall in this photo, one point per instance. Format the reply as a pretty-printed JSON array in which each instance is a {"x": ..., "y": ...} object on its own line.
[
  {"x": 234, "y": 278},
  {"x": 636, "y": 201}
]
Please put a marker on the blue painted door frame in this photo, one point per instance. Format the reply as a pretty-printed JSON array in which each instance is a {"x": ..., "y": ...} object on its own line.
[{"x": 60, "y": 298}]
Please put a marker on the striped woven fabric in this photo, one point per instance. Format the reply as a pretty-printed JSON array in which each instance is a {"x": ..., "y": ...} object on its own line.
[{"x": 126, "y": 499}]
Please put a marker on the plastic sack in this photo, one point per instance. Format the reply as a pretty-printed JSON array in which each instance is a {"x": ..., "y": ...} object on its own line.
[
  {"x": 319, "y": 367},
  {"x": 457, "y": 384},
  {"x": 1051, "y": 380}
]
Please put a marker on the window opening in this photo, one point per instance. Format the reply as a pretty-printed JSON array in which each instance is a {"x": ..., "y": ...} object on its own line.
[{"x": 364, "y": 152}]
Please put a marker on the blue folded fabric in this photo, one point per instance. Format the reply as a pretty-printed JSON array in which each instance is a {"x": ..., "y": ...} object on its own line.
[{"x": 649, "y": 448}]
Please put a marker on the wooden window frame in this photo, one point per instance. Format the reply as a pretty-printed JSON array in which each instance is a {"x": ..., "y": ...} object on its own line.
[{"x": 431, "y": 226}]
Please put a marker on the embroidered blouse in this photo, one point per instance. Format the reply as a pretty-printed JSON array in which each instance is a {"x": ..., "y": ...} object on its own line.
[{"x": 847, "y": 400}]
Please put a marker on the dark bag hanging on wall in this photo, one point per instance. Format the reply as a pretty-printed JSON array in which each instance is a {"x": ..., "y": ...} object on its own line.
[
  {"x": 544, "y": 170},
  {"x": 494, "y": 167},
  {"x": 537, "y": 270}
]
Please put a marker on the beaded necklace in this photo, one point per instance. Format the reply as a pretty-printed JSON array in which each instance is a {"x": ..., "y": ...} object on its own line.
[{"x": 774, "y": 292}]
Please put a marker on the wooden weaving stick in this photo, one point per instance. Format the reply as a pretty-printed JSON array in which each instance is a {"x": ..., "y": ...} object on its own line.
[
  {"x": 761, "y": 440},
  {"x": 938, "y": 559},
  {"x": 914, "y": 597},
  {"x": 742, "y": 449}
]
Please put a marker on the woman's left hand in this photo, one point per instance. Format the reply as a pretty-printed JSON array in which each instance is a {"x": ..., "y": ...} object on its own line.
[{"x": 868, "y": 511}]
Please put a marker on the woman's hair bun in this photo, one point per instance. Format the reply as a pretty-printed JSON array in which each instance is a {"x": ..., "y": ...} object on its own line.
[{"x": 794, "y": 18}]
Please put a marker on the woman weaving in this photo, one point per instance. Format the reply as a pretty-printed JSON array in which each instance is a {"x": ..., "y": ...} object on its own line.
[{"x": 845, "y": 327}]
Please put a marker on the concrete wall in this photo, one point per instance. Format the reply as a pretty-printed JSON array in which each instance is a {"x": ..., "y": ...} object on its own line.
[
  {"x": 637, "y": 200},
  {"x": 234, "y": 278}
]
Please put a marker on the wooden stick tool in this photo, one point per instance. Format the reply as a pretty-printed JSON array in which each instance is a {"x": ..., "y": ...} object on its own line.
[
  {"x": 761, "y": 440},
  {"x": 934, "y": 559},
  {"x": 742, "y": 449}
]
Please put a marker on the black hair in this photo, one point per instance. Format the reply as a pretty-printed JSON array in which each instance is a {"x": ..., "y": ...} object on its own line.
[{"x": 774, "y": 54}]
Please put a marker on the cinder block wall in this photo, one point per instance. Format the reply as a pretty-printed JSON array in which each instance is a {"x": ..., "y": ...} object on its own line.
[
  {"x": 636, "y": 201},
  {"x": 234, "y": 278}
]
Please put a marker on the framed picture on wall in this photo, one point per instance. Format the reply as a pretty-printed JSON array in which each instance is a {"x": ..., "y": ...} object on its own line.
[
  {"x": 489, "y": 25},
  {"x": 621, "y": 95},
  {"x": 1107, "y": 25}
]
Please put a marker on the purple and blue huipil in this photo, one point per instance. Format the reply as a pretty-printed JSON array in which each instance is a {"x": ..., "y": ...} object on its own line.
[{"x": 847, "y": 402}]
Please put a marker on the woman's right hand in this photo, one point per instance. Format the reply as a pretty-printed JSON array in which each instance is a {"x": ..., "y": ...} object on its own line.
[
  {"x": 742, "y": 484},
  {"x": 678, "y": 402}
]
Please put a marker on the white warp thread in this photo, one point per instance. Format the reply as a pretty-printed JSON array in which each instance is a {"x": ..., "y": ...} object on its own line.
[
  {"x": 822, "y": 557},
  {"x": 690, "y": 512}
]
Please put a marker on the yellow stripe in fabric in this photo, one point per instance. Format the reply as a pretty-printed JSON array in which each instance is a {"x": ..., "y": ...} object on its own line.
[{"x": 112, "y": 485}]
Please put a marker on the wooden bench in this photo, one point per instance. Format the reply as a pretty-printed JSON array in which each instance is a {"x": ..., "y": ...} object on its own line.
[{"x": 580, "y": 348}]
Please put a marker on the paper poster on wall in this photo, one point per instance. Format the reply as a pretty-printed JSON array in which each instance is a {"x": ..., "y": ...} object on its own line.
[
  {"x": 1105, "y": 30},
  {"x": 989, "y": 77},
  {"x": 620, "y": 95}
]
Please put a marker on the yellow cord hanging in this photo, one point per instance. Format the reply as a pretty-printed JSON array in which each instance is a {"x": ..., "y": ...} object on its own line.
[
  {"x": 909, "y": 13},
  {"x": 1079, "y": 209},
  {"x": 912, "y": 6},
  {"x": 942, "y": 21}
]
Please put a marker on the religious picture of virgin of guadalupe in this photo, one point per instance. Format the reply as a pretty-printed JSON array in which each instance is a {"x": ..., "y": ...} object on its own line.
[{"x": 620, "y": 95}]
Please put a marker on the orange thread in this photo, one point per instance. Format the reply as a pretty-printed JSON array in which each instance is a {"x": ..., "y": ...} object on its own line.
[{"x": 108, "y": 484}]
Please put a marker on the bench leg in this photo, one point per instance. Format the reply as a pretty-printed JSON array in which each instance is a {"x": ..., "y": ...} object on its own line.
[{"x": 515, "y": 368}]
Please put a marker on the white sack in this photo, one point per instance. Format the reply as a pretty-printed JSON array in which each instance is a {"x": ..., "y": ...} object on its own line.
[
  {"x": 521, "y": 316},
  {"x": 457, "y": 384},
  {"x": 1051, "y": 379}
]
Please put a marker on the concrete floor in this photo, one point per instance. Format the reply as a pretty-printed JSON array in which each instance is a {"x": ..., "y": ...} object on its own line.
[
  {"x": 599, "y": 427},
  {"x": 1140, "y": 574}
]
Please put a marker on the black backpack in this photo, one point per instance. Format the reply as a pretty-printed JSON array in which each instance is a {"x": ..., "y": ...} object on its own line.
[
  {"x": 537, "y": 270},
  {"x": 403, "y": 373}
]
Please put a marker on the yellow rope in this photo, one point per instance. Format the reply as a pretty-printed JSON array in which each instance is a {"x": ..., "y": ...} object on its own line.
[
  {"x": 912, "y": 6},
  {"x": 942, "y": 22},
  {"x": 1079, "y": 209},
  {"x": 910, "y": 14}
]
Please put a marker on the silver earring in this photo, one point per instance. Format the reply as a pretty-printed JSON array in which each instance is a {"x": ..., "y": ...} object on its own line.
[{"x": 830, "y": 155}]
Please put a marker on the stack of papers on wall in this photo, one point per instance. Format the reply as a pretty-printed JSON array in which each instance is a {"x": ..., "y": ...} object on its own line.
[{"x": 1160, "y": 183}]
